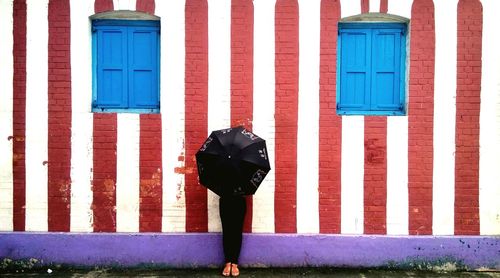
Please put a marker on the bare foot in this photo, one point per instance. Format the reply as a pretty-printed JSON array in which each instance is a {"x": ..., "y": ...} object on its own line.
[
  {"x": 227, "y": 270},
  {"x": 234, "y": 270}
]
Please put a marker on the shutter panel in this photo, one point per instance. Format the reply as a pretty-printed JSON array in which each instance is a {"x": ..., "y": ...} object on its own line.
[
  {"x": 143, "y": 67},
  {"x": 386, "y": 70},
  {"x": 354, "y": 69},
  {"x": 111, "y": 67}
]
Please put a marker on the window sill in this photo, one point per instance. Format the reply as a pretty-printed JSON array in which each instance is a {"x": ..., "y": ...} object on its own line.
[
  {"x": 129, "y": 110},
  {"x": 370, "y": 113}
]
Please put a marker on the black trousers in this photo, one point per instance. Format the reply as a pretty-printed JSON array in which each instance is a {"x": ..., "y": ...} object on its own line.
[{"x": 232, "y": 211}]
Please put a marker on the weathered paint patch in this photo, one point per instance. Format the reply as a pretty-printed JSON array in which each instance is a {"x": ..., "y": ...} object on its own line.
[
  {"x": 445, "y": 264},
  {"x": 26, "y": 264}
]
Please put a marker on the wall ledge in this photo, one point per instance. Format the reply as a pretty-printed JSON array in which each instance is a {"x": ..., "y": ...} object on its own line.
[{"x": 192, "y": 250}]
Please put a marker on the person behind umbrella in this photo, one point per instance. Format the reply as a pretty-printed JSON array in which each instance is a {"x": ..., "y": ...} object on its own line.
[
  {"x": 232, "y": 209},
  {"x": 232, "y": 163}
]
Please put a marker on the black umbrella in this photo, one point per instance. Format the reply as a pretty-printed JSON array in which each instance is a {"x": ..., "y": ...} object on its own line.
[{"x": 233, "y": 161}]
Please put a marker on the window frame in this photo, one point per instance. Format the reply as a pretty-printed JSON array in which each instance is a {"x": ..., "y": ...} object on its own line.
[
  {"x": 128, "y": 23},
  {"x": 403, "y": 26}
]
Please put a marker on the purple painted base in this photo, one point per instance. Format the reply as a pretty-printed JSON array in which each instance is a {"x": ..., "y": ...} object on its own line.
[{"x": 259, "y": 250}]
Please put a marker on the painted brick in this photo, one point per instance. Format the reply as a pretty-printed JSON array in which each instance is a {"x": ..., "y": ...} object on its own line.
[
  {"x": 147, "y": 6},
  {"x": 286, "y": 115},
  {"x": 420, "y": 115},
  {"x": 103, "y": 6},
  {"x": 59, "y": 141},
  {"x": 467, "y": 118},
  {"x": 104, "y": 168},
  {"x": 19, "y": 114},
  {"x": 150, "y": 204},
  {"x": 196, "y": 110}
]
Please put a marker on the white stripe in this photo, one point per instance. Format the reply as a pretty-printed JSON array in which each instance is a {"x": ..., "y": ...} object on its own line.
[
  {"x": 127, "y": 173},
  {"x": 124, "y": 5},
  {"x": 352, "y": 161},
  {"x": 349, "y": 8},
  {"x": 374, "y": 6},
  {"x": 400, "y": 7},
  {"x": 308, "y": 118},
  {"x": 489, "y": 138},
  {"x": 172, "y": 113},
  {"x": 81, "y": 218},
  {"x": 36, "y": 115},
  {"x": 397, "y": 176},
  {"x": 6, "y": 116},
  {"x": 263, "y": 107},
  {"x": 219, "y": 83},
  {"x": 352, "y": 175},
  {"x": 397, "y": 150},
  {"x": 443, "y": 193}
]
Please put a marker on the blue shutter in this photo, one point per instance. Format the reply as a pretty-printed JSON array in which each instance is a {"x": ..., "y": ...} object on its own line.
[
  {"x": 143, "y": 67},
  {"x": 354, "y": 70},
  {"x": 111, "y": 67},
  {"x": 386, "y": 70}
]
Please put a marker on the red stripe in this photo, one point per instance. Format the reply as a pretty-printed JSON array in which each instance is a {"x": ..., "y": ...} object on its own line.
[
  {"x": 375, "y": 175},
  {"x": 104, "y": 169},
  {"x": 150, "y": 169},
  {"x": 146, "y": 6},
  {"x": 103, "y": 6},
  {"x": 242, "y": 75},
  {"x": 384, "y": 6},
  {"x": 330, "y": 125},
  {"x": 420, "y": 117},
  {"x": 196, "y": 102},
  {"x": 365, "y": 6},
  {"x": 19, "y": 114},
  {"x": 59, "y": 116},
  {"x": 469, "y": 41},
  {"x": 286, "y": 114}
]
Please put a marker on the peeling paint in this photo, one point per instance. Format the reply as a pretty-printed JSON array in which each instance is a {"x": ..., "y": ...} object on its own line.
[
  {"x": 109, "y": 185},
  {"x": 184, "y": 170},
  {"x": 179, "y": 191},
  {"x": 443, "y": 264},
  {"x": 246, "y": 123},
  {"x": 26, "y": 264},
  {"x": 17, "y": 156},
  {"x": 64, "y": 187}
]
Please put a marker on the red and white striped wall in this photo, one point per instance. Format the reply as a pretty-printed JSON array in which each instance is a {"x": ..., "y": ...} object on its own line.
[{"x": 269, "y": 65}]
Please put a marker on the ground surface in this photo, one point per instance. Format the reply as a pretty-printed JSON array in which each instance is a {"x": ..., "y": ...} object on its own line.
[{"x": 253, "y": 272}]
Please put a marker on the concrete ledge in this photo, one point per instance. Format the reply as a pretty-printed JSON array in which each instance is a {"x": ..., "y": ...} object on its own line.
[{"x": 259, "y": 250}]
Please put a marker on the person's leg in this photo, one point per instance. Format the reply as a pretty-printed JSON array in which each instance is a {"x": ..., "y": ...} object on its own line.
[
  {"x": 236, "y": 227},
  {"x": 232, "y": 212},
  {"x": 225, "y": 217}
]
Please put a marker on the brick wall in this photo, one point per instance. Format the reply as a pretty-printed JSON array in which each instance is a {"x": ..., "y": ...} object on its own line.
[
  {"x": 467, "y": 118},
  {"x": 284, "y": 125},
  {"x": 420, "y": 117},
  {"x": 196, "y": 109},
  {"x": 59, "y": 101},
  {"x": 330, "y": 125},
  {"x": 19, "y": 114},
  {"x": 151, "y": 173},
  {"x": 286, "y": 113}
]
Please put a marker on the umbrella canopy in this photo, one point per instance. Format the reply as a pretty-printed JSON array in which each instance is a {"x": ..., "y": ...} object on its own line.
[{"x": 233, "y": 161}]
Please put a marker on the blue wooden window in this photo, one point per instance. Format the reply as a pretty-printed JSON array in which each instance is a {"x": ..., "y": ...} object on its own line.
[
  {"x": 125, "y": 66},
  {"x": 371, "y": 69}
]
